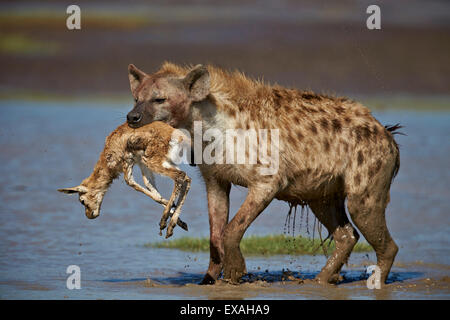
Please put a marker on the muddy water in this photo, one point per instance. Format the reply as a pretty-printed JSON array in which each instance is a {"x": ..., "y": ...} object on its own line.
[{"x": 45, "y": 146}]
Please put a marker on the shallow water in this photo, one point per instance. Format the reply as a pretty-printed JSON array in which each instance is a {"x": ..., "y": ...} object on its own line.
[{"x": 45, "y": 146}]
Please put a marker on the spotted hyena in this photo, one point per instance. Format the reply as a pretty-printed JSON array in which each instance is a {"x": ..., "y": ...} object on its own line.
[{"x": 330, "y": 149}]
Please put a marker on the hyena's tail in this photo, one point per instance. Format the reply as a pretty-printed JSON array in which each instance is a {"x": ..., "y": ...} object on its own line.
[{"x": 393, "y": 129}]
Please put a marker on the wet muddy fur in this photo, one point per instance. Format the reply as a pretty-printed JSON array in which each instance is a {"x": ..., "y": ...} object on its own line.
[{"x": 332, "y": 150}]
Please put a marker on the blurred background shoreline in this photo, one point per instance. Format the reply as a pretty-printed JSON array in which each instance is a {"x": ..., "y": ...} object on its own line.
[{"x": 315, "y": 45}]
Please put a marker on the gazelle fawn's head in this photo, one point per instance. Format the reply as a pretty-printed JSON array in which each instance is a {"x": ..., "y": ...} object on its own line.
[{"x": 90, "y": 199}]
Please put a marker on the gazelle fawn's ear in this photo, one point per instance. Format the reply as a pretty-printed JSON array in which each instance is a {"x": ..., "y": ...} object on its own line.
[
  {"x": 197, "y": 82},
  {"x": 78, "y": 189},
  {"x": 135, "y": 75}
]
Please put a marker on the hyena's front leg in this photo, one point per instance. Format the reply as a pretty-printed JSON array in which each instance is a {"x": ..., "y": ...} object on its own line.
[
  {"x": 258, "y": 197},
  {"x": 218, "y": 194}
]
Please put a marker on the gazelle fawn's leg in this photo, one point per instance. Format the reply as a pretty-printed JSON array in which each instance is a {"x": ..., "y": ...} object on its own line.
[
  {"x": 147, "y": 177},
  {"x": 185, "y": 186},
  {"x": 162, "y": 166},
  {"x": 331, "y": 213},
  {"x": 166, "y": 212},
  {"x": 149, "y": 181},
  {"x": 129, "y": 179}
]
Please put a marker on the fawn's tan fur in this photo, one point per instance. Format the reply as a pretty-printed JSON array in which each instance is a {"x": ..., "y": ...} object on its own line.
[{"x": 150, "y": 147}]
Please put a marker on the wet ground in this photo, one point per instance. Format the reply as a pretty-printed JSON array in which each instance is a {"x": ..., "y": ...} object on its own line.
[{"x": 45, "y": 146}]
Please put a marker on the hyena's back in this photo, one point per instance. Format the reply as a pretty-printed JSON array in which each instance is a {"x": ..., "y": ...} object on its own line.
[{"x": 332, "y": 146}]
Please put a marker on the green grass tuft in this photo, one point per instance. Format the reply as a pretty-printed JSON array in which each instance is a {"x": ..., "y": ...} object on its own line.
[{"x": 260, "y": 245}]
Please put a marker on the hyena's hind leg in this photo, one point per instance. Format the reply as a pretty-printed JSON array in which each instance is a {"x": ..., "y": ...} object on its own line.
[
  {"x": 331, "y": 213},
  {"x": 367, "y": 211}
]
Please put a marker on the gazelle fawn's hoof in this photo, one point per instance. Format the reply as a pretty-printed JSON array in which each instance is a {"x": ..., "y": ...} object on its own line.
[{"x": 183, "y": 225}]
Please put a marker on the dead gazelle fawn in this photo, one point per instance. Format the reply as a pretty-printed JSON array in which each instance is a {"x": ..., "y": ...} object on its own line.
[{"x": 153, "y": 148}]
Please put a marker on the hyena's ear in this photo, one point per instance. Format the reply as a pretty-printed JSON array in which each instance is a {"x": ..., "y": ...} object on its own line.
[
  {"x": 78, "y": 189},
  {"x": 135, "y": 75},
  {"x": 197, "y": 82}
]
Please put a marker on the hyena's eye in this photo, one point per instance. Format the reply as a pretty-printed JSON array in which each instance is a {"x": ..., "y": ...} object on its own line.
[{"x": 159, "y": 100}]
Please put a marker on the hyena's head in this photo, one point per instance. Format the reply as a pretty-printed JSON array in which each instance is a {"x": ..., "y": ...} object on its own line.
[{"x": 165, "y": 96}]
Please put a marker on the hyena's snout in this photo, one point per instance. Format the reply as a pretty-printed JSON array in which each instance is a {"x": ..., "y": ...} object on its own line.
[{"x": 134, "y": 118}]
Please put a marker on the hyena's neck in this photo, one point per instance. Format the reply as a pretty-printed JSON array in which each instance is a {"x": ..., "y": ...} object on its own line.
[{"x": 210, "y": 115}]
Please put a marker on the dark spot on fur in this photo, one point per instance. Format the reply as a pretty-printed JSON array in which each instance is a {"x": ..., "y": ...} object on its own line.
[
  {"x": 358, "y": 133},
  {"x": 347, "y": 120},
  {"x": 360, "y": 158},
  {"x": 291, "y": 139},
  {"x": 375, "y": 130},
  {"x": 371, "y": 172},
  {"x": 345, "y": 144},
  {"x": 232, "y": 113},
  {"x": 277, "y": 98},
  {"x": 373, "y": 169},
  {"x": 378, "y": 165},
  {"x": 337, "y": 126},
  {"x": 324, "y": 123},
  {"x": 339, "y": 110},
  {"x": 311, "y": 96},
  {"x": 366, "y": 133},
  {"x": 326, "y": 145},
  {"x": 300, "y": 135},
  {"x": 357, "y": 179},
  {"x": 313, "y": 128}
]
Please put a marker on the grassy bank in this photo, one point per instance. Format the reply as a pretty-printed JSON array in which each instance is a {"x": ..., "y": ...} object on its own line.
[{"x": 260, "y": 245}]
